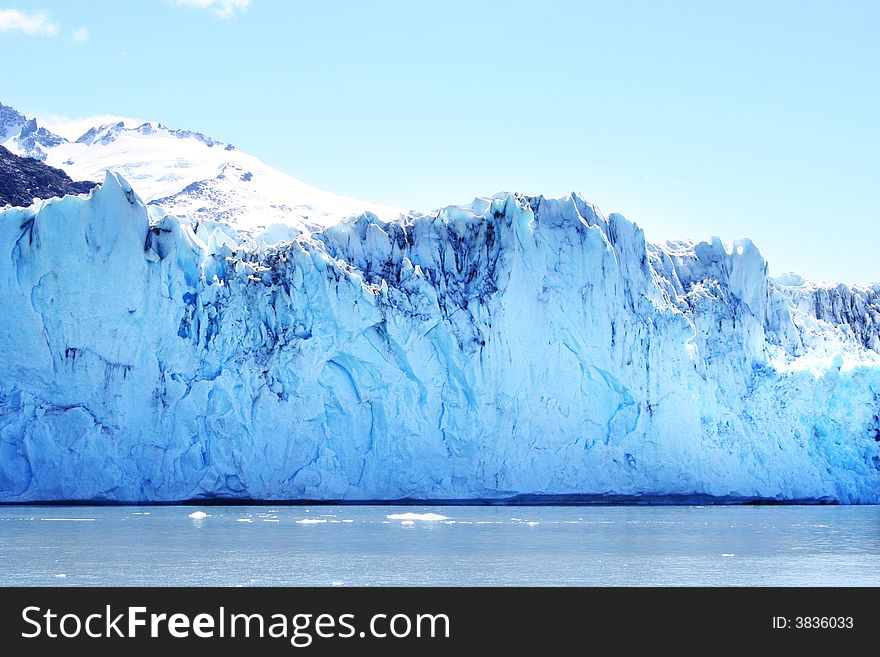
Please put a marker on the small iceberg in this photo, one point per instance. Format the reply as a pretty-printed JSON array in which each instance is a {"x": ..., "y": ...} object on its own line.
[
  {"x": 311, "y": 521},
  {"x": 198, "y": 515},
  {"x": 426, "y": 517}
]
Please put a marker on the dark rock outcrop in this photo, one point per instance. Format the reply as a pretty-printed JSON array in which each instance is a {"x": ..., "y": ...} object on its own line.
[{"x": 22, "y": 179}]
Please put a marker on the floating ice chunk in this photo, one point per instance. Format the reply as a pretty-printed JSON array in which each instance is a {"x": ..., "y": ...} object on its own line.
[
  {"x": 427, "y": 517},
  {"x": 407, "y": 522},
  {"x": 728, "y": 554},
  {"x": 243, "y": 520},
  {"x": 311, "y": 521},
  {"x": 61, "y": 575},
  {"x": 68, "y": 519},
  {"x": 198, "y": 515}
]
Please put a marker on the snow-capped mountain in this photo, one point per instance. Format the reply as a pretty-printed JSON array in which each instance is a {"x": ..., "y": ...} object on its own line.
[
  {"x": 515, "y": 346},
  {"x": 11, "y": 122},
  {"x": 204, "y": 181}
]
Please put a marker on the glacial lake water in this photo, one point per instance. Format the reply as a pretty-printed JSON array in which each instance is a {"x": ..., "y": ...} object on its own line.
[{"x": 440, "y": 545}]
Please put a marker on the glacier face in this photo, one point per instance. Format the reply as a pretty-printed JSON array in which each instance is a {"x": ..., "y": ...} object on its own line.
[{"x": 514, "y": 346}]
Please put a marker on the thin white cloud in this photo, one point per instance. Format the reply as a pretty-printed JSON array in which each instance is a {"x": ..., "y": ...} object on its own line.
[
  {"x": 81, "y": 35},
  {"x": 223, "y": 9},
  {"x": 71, "y": 128},
  {"x": 36, "y": 24}
]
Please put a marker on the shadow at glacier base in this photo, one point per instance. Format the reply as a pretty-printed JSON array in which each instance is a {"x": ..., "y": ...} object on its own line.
[{"x": 515, "y": 500}]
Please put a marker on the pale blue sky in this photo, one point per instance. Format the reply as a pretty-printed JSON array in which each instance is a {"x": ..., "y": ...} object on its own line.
[{"x": 754, "y": 119}]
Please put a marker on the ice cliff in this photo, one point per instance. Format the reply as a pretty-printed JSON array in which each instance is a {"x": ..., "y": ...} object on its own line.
[{"x": 517, "y": 346}]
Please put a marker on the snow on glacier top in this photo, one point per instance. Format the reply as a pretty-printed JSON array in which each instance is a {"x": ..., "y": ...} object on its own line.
[{"x": 195, "y": 177}]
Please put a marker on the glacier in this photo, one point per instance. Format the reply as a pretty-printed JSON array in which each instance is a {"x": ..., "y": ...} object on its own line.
[{"x": 516, "y": 346}]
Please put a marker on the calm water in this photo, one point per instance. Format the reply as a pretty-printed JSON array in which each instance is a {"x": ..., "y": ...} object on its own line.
[{"x": 368, "y": 545}]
